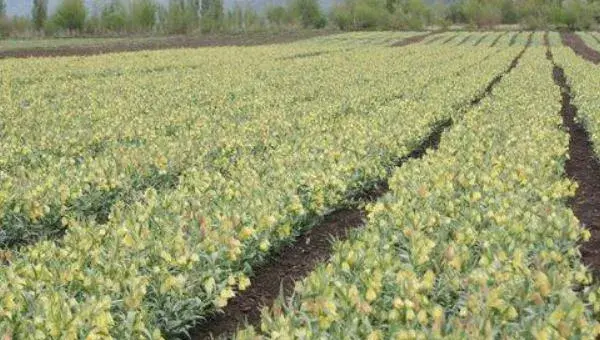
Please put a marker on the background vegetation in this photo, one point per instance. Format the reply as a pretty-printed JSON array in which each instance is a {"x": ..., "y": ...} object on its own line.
[{"x": 188, "y": 16}]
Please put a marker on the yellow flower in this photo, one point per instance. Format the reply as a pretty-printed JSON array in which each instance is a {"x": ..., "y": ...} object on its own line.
[
  {"x": 542, "y": 283},
  {"x": 264, "y": 245},
  {"x": 243, "y": 283},
  {"x": 374, "y": 335},
  {"x": 398, "y": 303},
  {"x": 371, "y": 295}
]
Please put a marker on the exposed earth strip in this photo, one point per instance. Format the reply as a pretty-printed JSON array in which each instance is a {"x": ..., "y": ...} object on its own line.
[
  {"x": 580, "y": 47},
  {"x": 582, "y": 167}
]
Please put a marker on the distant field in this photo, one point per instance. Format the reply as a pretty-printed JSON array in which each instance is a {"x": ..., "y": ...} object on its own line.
[
  {"x": 91, "y": 46},
  {"x": 172, "y": 193},
  {"x": 10, "y": 44}
]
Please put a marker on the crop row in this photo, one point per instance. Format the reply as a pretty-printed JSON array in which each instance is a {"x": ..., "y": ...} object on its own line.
[
  {"x": 81, "y": 145},
  {"x": 481, "y": 39},
  {"x": 278, "y": 158},
  {"x": 474, "y": 241},
  {"x": 591, "y": 39},
  {"x": 356, "y": 39}
]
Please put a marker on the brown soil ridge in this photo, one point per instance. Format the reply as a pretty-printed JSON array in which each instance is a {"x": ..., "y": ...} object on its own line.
[
  {"x": 173, "y": 42},
  {"x": 414, "y": 39},
  {"x": 580, "y": 47},
  {"x": 582, "y": 167},
  {"x": 295, "y": 261}
]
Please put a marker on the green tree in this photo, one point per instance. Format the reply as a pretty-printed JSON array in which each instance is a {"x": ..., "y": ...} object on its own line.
[
  {"x": 212, "y": 13},
  {"x": 114, "y": 16},
  {"x": 2, "y": 8},
  {"x": 70, "y": 15},
  {"x": 39, "y": 13},
  {"x": 242, "y": 18},
  {"x": 143, "y": 14},
  {"x": 277, "y": 15},
  {"x": 194, "y": 8},
  {"x": 309, "y": 13}
]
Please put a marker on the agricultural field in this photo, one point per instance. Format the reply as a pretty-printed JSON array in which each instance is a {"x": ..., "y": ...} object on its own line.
[{"x": 366, "y": 185}]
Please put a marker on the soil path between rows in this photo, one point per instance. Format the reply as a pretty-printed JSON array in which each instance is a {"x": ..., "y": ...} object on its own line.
[
  {"x": 582, "y": 167},
  {"x": 414, "y": 39},
  {"x": 163, "y": 43},
  {"x": 580, "y": 47},
  {"x": 295, "y": 261}
]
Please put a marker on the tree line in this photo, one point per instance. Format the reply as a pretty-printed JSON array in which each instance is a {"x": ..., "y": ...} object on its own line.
[
  {"x": 183, "y": 16},
  {"x": 416, "y": 14}
]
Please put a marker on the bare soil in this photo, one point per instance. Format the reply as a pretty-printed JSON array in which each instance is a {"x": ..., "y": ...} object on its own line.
[
  {"x": 295, "y": 261},
  {"x": 173, "y": 42},
  {"x": 278, "y": 275},
  {"x": 412, "y": 40},
  {"x": 580, "y": 47},
  {"x": 582, "y": 167}
]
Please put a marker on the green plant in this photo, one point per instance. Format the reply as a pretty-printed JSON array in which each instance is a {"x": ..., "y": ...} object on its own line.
[
  {"x": 143, "y": 14},
  {"x": 39, "y": 13},
  {"x": 308, "y": 12},
  {"x": 114, "y": 16},
  {"x": 277, "y": 15},
  {"x": 70, "y": 15}
]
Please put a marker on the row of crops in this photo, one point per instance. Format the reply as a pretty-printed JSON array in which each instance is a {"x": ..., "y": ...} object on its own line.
[
  {"x": 474, "y": 240},
  {"x": 591, "y": 39},
  {"x": 139, "y": 190}
]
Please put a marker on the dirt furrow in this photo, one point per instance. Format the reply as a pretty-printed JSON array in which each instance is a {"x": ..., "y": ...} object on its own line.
[
  {"x": 297, "y": 260},
  {"x": 162, "y": 43},
  {"x": 580, "y": 47},
  {"x": 413, "y": 40},
  {"x": 582, "y": 167}
]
